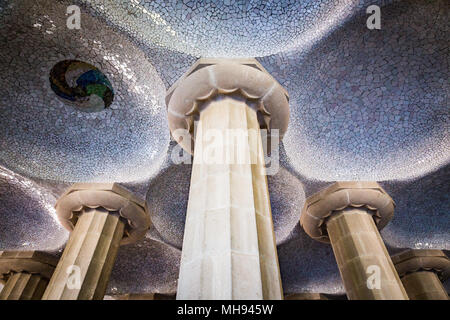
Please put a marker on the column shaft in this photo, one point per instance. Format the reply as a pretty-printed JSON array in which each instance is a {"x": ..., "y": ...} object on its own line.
[
  {"x": 229, "y": 249},
  {"x": 424, "y": 285},
  {"x": 24, "y": 286},
  {"x": 360, "y": 254},
  {"x": 86, "y": 264}
]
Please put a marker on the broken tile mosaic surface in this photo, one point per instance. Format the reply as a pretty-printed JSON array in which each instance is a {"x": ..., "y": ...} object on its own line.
[{"x": 365, "y": 105}]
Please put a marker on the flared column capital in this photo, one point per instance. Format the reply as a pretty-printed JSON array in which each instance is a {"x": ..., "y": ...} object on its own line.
[
  {"x": 415, "y": 260},
  {"x": 343, "y": 195},
  {"x": 109, "y": 196},
  {"x": 211, "y": 77},
  {"x": 33, "y": 262}
]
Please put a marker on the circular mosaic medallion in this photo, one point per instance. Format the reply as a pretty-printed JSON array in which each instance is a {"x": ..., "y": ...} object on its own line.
[{"x": 82, "y": 85}]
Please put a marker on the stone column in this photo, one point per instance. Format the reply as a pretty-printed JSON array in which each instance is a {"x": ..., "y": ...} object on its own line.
[
  {"x": 26, "y": 273},
  {"x": 101, "y": 217},
  {"x": 347, "y": 214},
  {"x": 306, "y": 296},
  {"x": 422, "y": 271},
  {"x": 229, "y": 248}
]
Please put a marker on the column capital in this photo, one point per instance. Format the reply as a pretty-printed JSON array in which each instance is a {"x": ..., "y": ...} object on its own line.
[
  {"x": 210, "y": 77},
  {"x": 33, "y": 262},
  {"x": 342, "y": 195},
  {"x": 415, "y": 260},
  {"x": 110, "y": 196}
]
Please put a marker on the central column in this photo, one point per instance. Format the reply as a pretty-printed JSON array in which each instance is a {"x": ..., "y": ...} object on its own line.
[{"x": 229, "y": 247}]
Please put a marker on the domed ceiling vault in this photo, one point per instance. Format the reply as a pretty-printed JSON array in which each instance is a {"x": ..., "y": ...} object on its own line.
[{"x": 365, "y": 105}]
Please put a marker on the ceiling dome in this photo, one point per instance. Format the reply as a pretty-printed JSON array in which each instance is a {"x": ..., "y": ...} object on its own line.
[
  {"x": 27, "y": 218},
  {"x": 369, "y": 104},
  {"x": 44, "y": 136},
  {"x": 154, "y": 261},
  {"x": 421, "y": 212},
  {"x": 225, "y": 28}
]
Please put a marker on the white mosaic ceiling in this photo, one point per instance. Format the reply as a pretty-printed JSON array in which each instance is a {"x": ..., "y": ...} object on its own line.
[
  {"x": 364, "y": 105},
  {"x": 45, "y": 138},
  {"x": 369, "y": 104},
  {"x": 27, "y": 217}
]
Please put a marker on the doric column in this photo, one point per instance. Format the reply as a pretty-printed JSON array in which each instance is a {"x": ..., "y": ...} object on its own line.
[
  {"x": 229, "y": 248},
  {"x": 421, "y": 272},
  {"x": 347, "y": 214},
  {"x": 101, "y": 217},
  {"x": 26, "y": 273}
]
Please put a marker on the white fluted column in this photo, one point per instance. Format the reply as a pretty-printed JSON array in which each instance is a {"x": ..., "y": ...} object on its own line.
[{"x": 229, "y": 248}]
